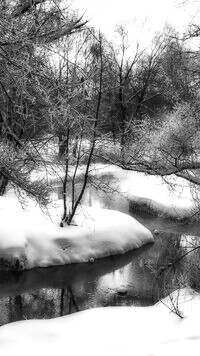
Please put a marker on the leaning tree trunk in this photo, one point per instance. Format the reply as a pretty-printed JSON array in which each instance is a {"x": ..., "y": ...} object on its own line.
[
  {"x": 3, "y": 184},
  {"x": 76, "y": 203}
]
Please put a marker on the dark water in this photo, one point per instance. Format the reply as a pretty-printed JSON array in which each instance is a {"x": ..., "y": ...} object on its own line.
[{"x": 135, "y": 278}]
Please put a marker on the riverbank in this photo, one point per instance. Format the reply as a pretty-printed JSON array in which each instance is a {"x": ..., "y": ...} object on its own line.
[
  {"x": 160, "y": 330},
  {"x": 32, "y": 241}
]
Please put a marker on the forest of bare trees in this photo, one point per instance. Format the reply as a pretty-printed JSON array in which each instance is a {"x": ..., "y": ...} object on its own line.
[{"x": 61, "y": 81}]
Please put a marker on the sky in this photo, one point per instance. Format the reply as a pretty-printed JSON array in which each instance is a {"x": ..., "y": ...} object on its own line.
[{"x": 142, "y": 17}]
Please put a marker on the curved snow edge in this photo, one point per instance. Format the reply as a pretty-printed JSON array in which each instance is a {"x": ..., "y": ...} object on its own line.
[
  {"x": 156, "y": 208},
  {"x": 141, "y": 331},
  {"x": 28, "y": 243}
]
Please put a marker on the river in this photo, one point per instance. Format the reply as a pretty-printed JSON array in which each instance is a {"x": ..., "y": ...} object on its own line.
[{"x": 136, "y": 278}]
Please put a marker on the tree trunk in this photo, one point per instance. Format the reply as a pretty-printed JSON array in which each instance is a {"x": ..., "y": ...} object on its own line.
[{"x": 3, "y": 184}]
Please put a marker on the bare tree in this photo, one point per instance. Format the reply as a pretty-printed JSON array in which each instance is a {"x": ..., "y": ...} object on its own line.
[
  {"x": 76, "y": 98},
  {"x": 26, "y": 29}
]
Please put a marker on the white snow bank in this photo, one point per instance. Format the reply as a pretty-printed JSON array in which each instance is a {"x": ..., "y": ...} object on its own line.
[
  {"x": 27, "y": 240},
  {"x": 127, "y": 331},
  {"x": 171, "y": 196}
]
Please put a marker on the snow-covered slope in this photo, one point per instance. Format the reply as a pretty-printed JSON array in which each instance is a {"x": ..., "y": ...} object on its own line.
[
  {"x": 127, "y": 331},
  {"x": 28, "y": 240},
  {"x": 168, "y": 196}
]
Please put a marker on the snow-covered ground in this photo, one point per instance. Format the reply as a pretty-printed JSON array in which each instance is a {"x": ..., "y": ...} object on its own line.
[
  {"x": 171, "y": 197},
  {"x": 111, "y": 331},
  {"x": 32, "y": 240},
  {"x": 168, "y": 196},
  {"x": 28, "y": 240}
]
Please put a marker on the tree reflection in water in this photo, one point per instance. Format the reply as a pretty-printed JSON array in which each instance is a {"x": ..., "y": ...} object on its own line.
[
  {"x": 142, "y": 274},
  {"x": 67, "y": 297}
]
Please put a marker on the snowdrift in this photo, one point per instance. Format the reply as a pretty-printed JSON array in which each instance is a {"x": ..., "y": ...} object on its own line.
[
  {"x": 27, "y": 240},
  {"x": 171, "y": 197},
  {"x": 128, "y": 331},
  {"x": 168, "y": 196}
]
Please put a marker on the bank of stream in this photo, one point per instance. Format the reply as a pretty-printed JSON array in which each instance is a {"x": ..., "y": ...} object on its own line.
[{"x": 138, "y": 278}]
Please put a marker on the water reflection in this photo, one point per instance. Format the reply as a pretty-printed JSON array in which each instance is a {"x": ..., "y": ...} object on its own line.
[
  {"x": 136, "y": 278},
  {"x": 117, "y": 201},
  {"x": 57, "y": 291}
]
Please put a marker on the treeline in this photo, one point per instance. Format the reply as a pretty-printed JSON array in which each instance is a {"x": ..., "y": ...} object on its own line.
[{"x": 61, "y": 80}]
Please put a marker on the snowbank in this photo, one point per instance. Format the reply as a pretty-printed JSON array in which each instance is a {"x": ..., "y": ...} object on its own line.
[
  {"x": 28, "y": 240},
  {"x": 171, "y": 196},
  {"x": 141, "y": 331}
]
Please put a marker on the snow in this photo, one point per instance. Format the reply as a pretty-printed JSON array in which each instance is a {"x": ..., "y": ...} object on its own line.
[
  {"x": 169, "y": 196},
  {"x": 30, "y": 240},
  {"x": 142, "y": 331},
  {"x": 159, "y": 196},
  {"x": 34, "y": 240}
]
